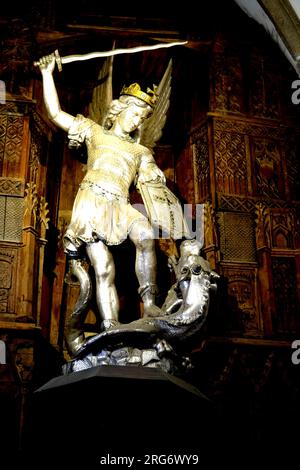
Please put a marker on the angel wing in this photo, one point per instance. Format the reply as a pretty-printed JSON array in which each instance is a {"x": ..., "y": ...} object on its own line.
[
  {"x": 153, "y": 126},
  {"x": 102, "y": 93}
]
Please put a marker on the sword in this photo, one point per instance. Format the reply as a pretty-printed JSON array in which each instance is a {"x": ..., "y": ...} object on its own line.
[{"x": 93, "y": 55}]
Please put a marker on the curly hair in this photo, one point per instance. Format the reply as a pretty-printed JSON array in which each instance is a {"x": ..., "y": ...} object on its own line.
[{"x": 119, "y": 105}]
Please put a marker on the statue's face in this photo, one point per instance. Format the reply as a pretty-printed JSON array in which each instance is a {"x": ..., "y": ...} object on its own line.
[{"x": 132, "y": 117}]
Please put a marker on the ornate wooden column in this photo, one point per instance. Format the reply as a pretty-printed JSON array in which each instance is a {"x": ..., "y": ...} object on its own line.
[
  {"x": 28, "y": 188},
  {"x": 244, "y": 165}
]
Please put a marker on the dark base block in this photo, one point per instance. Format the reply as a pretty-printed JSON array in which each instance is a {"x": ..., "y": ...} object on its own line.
[{"x": 121, "y": 411}]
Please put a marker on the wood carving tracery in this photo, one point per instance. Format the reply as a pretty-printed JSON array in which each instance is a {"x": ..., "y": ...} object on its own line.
[
  {"x": 283, "y": 229},
  {"x": 17, "y": 51},
  {"x": 236, "y": 237},
  {"x": 36, "y": 210},
  {"x": 267, "y": 161},
  {"x": 264, "y": 96},
  {"x": 210, "y": 226},
  {"x": 43, "y": 217},
  {"x": 284, "y": 275},
  {"x": 227, "y": 77},
  {"x": 11, "y": 140},
  {"x": 230, "y": 163},
  {"x": 250, "y": 128},
  {"x": 275, "y": 228},
  {"x": 263, "y": 227},
  {"x": 292, "y": 155},
  {"x": 31, "y": 205},
  {"x": 11, "y": 187},
  {"x": 201, "y": 163},
  {"x": 243, "y": 204},
  {"x": 242, "y": 292},
  {"x": 6, "y": 276},
  {"x": 38, "y": 154}
]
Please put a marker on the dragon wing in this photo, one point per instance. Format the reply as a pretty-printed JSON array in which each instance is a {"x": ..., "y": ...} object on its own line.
[
  {"x": 102, "y": 93},
  {"x": 153, "y": 126}
]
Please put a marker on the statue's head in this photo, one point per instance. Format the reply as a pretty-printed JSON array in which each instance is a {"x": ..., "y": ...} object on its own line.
[
  {"x": 149, "y": 97},
  {"x": 133, "y": 101}
]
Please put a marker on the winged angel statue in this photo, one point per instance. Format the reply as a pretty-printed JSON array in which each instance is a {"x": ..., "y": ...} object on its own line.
[{"x": 120, "y": 135}]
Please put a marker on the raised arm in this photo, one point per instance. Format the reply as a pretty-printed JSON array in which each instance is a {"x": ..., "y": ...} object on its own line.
[{"x": 59, "y": 117}]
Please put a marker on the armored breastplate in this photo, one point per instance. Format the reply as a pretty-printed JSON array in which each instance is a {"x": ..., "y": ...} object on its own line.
[{"x": 112, "y": 163}]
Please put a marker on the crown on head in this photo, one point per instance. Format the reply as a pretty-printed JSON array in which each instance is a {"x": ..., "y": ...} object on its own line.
[{"x": 135, "y": 90}]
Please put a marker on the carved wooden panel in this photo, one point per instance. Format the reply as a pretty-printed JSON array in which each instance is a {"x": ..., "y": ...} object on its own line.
[
  {"x": 8, "y": 279},
  {"x": 266, "y": 156},
  {"x": 264, "y": 96},
  {"x": 283, "y": 228},
  {"x": 3, "y": 126},
  {"x": 201, "y": 163},
  {"x": 292, "y": 155},
  {"x": 276, "y": 228},
  {"x": 11, "y": 186},
  {"x": 21, "y": 108},
  {"x": 248, "y": 158},
  {"x": 5, "y": 281},
  {"x": 285, "y": 291},
  {"x": 243, "y": 204},
  {"x": 11, "y": 218},
  {"x": 38, "y": 155},
  {"x": 11, "y": 140},
  {"x": 235, "y": 203},
  {"x": 243, "y": 298},
  {"x": 250, "y": 128},
  {"x": 2, "y": 217},
  {"x": 35, "y": 151},
  {"x": 226, "y": 78},
  {"x": 17, "y": 46},
  {"x": 263, "y": 227},
  {"x": 236, "y": 237},
  {"x": 231, "y": 163}
]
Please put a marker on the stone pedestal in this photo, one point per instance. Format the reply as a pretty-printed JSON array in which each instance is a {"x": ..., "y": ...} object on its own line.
[{"x": 120, "y": 411}]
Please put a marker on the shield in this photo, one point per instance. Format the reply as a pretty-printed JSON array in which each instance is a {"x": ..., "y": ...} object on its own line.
[{"x": 164, "y": 209}]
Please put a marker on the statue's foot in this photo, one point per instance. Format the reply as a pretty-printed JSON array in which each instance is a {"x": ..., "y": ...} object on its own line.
[
  {"x": 108, "y": 324},
  {"x": 152, "y": 311}
]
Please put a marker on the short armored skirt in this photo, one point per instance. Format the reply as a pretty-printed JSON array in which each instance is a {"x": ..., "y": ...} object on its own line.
[{"x": 100, "y": 217}]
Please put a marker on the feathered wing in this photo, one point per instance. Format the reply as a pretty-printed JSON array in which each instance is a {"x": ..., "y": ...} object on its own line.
[
  {"x": 102, "y": 93},
  {"x": 153, "y": 126}
]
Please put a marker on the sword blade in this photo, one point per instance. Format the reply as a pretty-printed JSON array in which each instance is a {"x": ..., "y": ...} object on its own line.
[{"x": 93, "y": 55}]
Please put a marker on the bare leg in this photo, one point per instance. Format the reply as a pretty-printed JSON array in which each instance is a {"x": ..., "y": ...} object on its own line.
[
  {"x": 106, "y": 294},
  {"x": 145, "y": 265}
]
